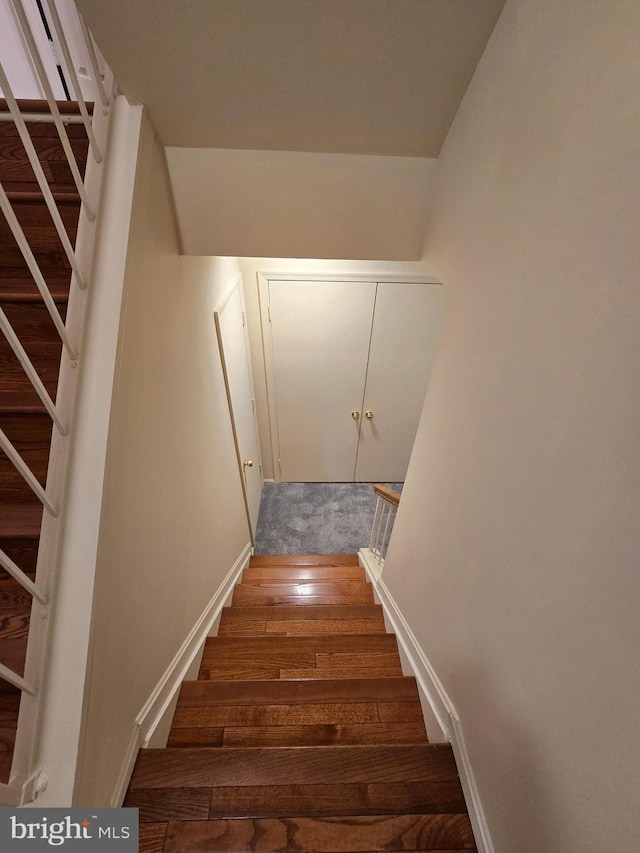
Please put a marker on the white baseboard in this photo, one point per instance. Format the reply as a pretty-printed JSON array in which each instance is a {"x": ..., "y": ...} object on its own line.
[
  {"x": 166, "y": 689},
  {"x": 432, "y": 691}
]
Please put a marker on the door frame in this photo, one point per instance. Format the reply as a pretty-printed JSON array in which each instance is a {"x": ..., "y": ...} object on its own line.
[
  {"x": 264, "y": 279},
  {"x": 238, "y": 285}
]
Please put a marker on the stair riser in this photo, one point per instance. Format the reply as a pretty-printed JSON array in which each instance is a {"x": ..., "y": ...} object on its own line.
[
  {"x": 315, "y": 765},
  {"x": 297, "y": 801}
]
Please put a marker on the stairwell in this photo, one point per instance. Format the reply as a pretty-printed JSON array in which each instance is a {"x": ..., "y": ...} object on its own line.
[
  {"x": 23, "y": 417},
  {"x": 301, "y": 732}
]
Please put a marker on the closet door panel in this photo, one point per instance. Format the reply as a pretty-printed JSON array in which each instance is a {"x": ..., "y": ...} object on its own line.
[
  {"x": 320, "y": 333},
  {"x": 406, "y": 329}
]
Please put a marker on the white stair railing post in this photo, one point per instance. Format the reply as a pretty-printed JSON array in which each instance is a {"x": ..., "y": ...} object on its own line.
[{"x": 383, "y": 520}]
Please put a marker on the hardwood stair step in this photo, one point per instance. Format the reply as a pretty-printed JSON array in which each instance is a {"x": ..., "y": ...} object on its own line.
[
  {"x": 32, "y": 105},
  {"x": 208, "y": 693},
  {"x": 20, "y": 522},
  {"x": 301, "y": 619},
  {"x": 220, "y": 721},
  {"x": 327, "y": 593},
  {"x": 283, "y": 714},
  {"x": 36, "y": 222},
  {"x": 16, "y": 391},
  {"x": 319, "y": 656},
  {"x": 31, "y": 436},
  {"x": 14, "y": 621},
  {"x": 24, "y": 552},
  {"x": 13, "y": 652},
  {"x": 22, "y": 288},
  {"x": 13, "y": 596},
  {"x": 356, "y": 834},
  {"x": 304, "y": 560},
  {"x": 211, "y": 768},
  {"x": 248, "y": 627},
  {"x": 215, "y": 647},
  {"x": 15, "y": 168},
  {"x": 42, "y": 130},
  {"x": 303, "y": 573},
  {"x": 32, "y": 322},
  {"x": 297, "y": 800},
  {"x": 320, "y": 734}
]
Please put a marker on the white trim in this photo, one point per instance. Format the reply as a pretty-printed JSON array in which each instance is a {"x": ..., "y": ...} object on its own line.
[
  {"x": 432, "y": 689},
  {"x": 73, "y": 541},
  {"x": 269, "y": 373},
  {"x": 401, "y": 278},
  {"x": 222, "y": 304},
  {"x": 169, "y": 683}
]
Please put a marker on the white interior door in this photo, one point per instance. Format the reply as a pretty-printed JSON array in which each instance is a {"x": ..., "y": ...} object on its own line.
[
  {"x": 404, "y": 338},
  {"x": 234, "y": 350},
  {"x": 320, "y": 336}
]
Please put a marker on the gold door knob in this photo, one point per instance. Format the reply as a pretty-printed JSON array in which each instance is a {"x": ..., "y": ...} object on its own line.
[
  {"x": 355, "y": 415},
  {"x": 248, "y": 463},
  {"x": 369, "y": 415}
]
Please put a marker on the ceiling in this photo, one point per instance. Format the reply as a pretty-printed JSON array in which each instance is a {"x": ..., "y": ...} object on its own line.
[{"x": 335, "y": 76}]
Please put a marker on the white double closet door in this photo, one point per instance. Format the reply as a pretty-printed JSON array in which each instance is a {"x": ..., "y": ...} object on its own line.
[{"x": 351, "y": 365}]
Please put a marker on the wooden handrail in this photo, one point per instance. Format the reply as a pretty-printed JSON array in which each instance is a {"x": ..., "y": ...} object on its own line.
[{"x": 387, "y": 494}]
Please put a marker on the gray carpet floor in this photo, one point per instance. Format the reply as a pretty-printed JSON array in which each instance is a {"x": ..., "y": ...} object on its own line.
[{"x": 315, "y": 518}]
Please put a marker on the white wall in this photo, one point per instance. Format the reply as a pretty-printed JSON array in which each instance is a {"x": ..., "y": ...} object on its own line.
[
  {"x": 515, "y": 554},
  {"x": 305, "y": 266},
  {"x": 292, "y": 204},
  {"x": 173, "y": 521}
]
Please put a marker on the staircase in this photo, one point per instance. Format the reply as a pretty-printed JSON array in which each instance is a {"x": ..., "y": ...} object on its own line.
[
  {"x": 301, "y": 732},
  {"x": 22, "y": 415}
]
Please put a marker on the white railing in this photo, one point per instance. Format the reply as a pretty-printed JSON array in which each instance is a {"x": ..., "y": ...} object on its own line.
[
  {"x": 385, "y": 514},
  {"x": 25, "y": 779}
]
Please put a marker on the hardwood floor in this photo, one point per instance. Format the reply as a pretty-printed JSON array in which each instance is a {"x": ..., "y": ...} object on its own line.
[
  {"x": 22, "y": 415},
  {"x": 301, "y": 732}
]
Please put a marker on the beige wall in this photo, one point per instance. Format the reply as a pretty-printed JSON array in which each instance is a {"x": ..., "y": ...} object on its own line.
[
  {"x": 295, "y": 204},
  {"x": 173, "y": 515},
  {"x": 515, "y": 555},
  {"x": 304, "y": 266}
]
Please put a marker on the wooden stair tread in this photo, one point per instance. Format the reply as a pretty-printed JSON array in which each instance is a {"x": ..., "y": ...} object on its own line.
[
  {"x": 304, "y": 560},
  {"x": 357, "y": 834},
  {"x": 184, "y": 768},
  {"x": 201, "y": 693},
  {"x": 24, "y": 289},
  {"x": 283, "y": 714},
  {"x": 297, "y": 800},
  {"x": 34, "y": 195},
  {"x": 302, "y": 573},
  {"x": 327, "y": 734},
  {"x": 298, "y": 627},
  {"x": 31, "y": 105},
  {"x": 300, "y": 657},
  {"x": 13, "y": 652},
  {"x": 301, "y": 619},
  {"x": 305, "y": 612},
  {"x": 316, "y": 645},
  {"x": 334, "y": 593},
  {"x": 20, "y": 521},
  {"x": 14, "y": 621}
]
